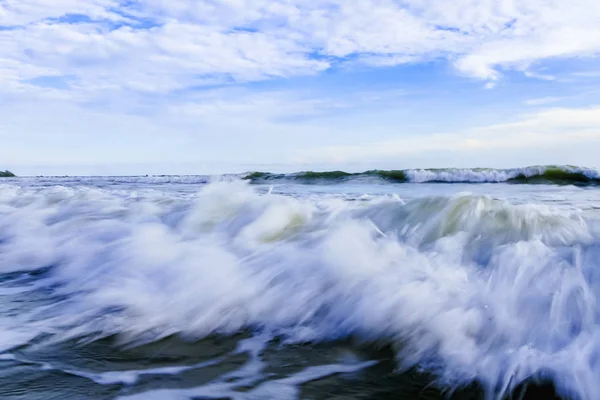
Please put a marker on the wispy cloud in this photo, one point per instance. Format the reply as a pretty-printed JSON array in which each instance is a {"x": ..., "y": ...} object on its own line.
[
  {"x": 588, "y": 74},
  {"x": 156, "y": 46},
  {"x": 550, "y": 128},
  {"x": 543, "y": 100},
  {"x": 233, "y": 123}
]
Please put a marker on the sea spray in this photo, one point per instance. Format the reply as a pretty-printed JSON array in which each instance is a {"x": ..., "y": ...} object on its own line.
[{"x": 465, "y": 286}]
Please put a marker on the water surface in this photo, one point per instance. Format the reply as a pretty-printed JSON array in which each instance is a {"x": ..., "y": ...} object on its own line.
[{"x": 196, "y": 288}]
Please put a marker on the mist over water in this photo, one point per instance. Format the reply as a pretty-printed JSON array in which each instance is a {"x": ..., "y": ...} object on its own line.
[{"x": 183, "y": 287}]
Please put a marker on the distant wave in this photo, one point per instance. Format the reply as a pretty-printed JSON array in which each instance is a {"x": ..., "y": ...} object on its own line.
[
  {"x": 564, "y": 175},
  {"x": 560, "y": 175}
]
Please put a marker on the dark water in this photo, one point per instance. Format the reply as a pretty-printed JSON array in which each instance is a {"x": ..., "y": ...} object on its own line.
[{"x": 52, "y": 372}]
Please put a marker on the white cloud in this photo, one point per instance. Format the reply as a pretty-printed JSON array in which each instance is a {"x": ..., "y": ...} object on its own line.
[
  {"x": 160, "y": 46},
  {"x": 229, "y": 127},
  {"x": 544, "y": 100},
  {"x": 125, "y": 67},
  {"x": 588, "y": 74},
  {"x": 212, "y": 125},
  {"x": 23, "y": 12},
  {"x": 550, "y": 129},
  {"x": 166, "y": 58}
]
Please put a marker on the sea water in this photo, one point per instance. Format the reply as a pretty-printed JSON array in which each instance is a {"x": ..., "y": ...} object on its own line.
[{"x": 293, "y": 288}]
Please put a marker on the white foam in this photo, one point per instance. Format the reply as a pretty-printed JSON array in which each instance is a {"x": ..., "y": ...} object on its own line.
[
  {"x": 466, "y": 286},
  {"x": 132, "y": 376},
  {"x": 487, "y": 175}
]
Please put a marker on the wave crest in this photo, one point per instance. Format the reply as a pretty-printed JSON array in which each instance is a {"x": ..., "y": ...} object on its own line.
[
  {"x": 529, "y": 175},
  {"x": 468, "y": 287}
]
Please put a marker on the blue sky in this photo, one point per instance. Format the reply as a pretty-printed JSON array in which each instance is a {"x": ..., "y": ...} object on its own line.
[{"x": 182, "y": 86}]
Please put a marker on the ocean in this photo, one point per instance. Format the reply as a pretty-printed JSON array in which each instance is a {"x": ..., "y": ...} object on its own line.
[{"x": 413, "y": 284}]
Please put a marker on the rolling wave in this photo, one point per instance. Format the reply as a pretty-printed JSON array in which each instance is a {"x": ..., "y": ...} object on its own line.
[
  {"x": 559, "y": 175},
  {"x": 468, "y": 287},
  {"x": 562, "y": 175}
]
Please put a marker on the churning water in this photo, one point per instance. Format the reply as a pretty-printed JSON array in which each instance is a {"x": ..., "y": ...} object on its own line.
[{"x": 272, "y": 288}]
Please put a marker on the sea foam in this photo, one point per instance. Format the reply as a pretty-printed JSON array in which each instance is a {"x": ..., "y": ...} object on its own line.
[{"x": 467, "y": 287}]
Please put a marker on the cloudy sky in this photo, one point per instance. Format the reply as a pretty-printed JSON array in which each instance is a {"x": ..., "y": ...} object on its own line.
[{"x": 209, "y": 86}]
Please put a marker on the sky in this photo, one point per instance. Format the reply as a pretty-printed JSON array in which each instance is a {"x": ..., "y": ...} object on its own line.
[{"x": 110, "y": 87}]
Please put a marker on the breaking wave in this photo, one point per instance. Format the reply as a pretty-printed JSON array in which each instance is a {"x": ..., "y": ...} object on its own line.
[
  {"x": 537, "y": 174},
  {"x": 561, "y": 175},
  {"x": 467, "y": 287}
]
